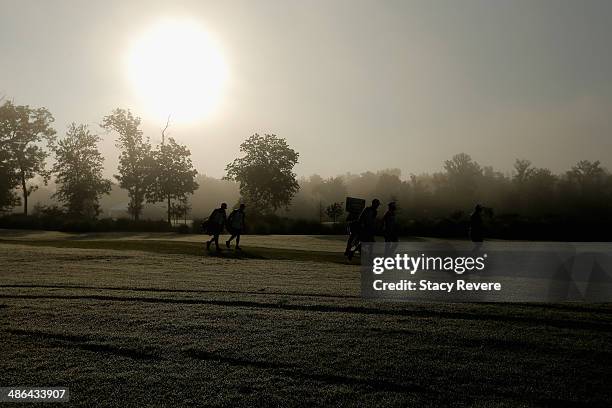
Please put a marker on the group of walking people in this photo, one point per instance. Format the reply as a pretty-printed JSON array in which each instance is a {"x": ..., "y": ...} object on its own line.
[
  {"x": 365, "y": 227},
  {"x": 361, "y": 228},
  {"x": 218, "y": 221}
]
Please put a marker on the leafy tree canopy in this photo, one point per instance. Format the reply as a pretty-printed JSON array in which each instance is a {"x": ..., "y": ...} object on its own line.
[
  {"x": 265, "y": 172},
  {"x": 78, "y": 170},
  {"x": 173, "y": 175},
  {"x": 135, "y": 159},
  {"x": 22, "y": 131}
]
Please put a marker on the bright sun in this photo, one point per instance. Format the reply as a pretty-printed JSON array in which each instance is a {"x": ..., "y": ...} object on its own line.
[{"x": 177, "y": 69}]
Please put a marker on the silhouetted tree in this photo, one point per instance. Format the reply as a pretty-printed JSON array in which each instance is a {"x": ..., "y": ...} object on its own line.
[
  {"x": 388, "y": 186},
  {"x": 179, "y": 210},
  {"x": 417, "y": 194},
  {"x": 587, "y": 187},
  {"x": 587, "y": 175},
  {"x": 22, "y": 129},
  {"x": 493, "y": 187},
  {"x": 135, "y": 160},
  {"x": 334, "y": 211},
  {"x": 265, "y": 172},
  {"x": 78, "y": 170},
  {"x": 331, "y": 190},
  {"x": 462, "y": 172},
  {"x": 522, "y": 171},
  {"x": 541, "y": 183},
  {"x": 173, "y": 175},
  {"x": 534, "y": 189},
  {"x": 8, "y": 176},
  {"x": 361, "y": 185},
  {"x": 8, "y": 182}
]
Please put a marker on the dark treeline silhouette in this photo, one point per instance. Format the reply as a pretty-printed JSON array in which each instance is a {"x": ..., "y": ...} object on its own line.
[
  {"x": 528, "y": 203},
  {"x": 162, "y": 173},
  {"x": 155, "y": 182}
]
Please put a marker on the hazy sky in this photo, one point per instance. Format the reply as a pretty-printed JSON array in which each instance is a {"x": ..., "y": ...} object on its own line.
[{"x": 352, "y": 85}]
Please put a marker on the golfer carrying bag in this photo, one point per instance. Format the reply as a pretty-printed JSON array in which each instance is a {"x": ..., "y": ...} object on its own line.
[{"x": 235, "y": 226}]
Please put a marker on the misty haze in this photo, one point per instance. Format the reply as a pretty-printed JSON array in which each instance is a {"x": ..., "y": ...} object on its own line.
[{"x": 209, "y": 203}]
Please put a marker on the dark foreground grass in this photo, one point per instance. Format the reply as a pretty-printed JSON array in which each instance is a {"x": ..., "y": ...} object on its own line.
[
  {"x": 164, "y": 329},
  {"x": 187, "y": 248}
]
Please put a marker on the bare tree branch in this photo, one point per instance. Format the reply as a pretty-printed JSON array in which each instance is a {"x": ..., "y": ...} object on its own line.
[{"x": 166, "y": 128}]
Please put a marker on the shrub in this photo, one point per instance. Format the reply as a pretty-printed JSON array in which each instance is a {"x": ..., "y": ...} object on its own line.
[
  {"x": 53, "y": 221},
  {"x": 183, "y": 229},
  {"x": 196, "y": 226},
  {"x": 503, "y": 226},
  {"x": 78, "y": 225}
]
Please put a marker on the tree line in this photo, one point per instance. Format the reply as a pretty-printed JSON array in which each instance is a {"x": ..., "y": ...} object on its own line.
[
  {"x": 148, "y": 173},
  {"x": 584, "y": 190},
  {"x": 527, "y": 202},
  {"x": 263, "y": 178},
  {"x": 161, "y": 173}
]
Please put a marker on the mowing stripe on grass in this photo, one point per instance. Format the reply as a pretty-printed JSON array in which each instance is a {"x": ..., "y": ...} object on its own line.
[
  {"x": 187, "y": 248},
  {"x": 164, "y": 290},
  {"x": 152, "y": 353},
  {"x": 596, "y": 308},
  {"x": 564, "y": 324}
]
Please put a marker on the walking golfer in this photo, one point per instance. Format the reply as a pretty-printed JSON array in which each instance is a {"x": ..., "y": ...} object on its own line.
[
  {"x": 216, "y": 222},
  {"x": 235, "y": 226}
]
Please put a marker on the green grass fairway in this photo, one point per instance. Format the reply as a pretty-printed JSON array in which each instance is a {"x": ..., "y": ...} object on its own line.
[{"x": 131, "y": 322}]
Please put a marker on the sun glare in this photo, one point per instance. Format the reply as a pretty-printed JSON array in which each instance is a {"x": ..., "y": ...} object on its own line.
[{"x": 176, "y": 69}]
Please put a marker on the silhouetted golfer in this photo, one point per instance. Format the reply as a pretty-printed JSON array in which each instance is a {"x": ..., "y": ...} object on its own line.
[
  {"x": 235, "y": 226},
  {"x": 476, "y": 227},
  {"x": 354, "y": 207},
  {"x": 390, "y": 231},
  {"x": 389, "y": 224},
  {"x": 367, "y": 225},
  {"x": 353, "y": 239},
  {"x": 216, "y": 222},
  {"x": 367, "y": 221}
]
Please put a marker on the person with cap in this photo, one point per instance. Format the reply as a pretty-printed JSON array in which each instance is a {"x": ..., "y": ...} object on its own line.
[
  {"x": 367, "y": 221},
  {"x": 390, "y": 231},
  {"x": 235, "y": 226},
  {"x": 367, "y": 225},
  {"x": 476, "y": 225},
  {"x": 216, "y": 223},
  {"x": 354, "y": 233},
  {"x": 389, "y": 224}
]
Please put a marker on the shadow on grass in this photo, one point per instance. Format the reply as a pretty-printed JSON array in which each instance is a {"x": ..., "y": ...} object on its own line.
[
  {"x": 187, "y": 248},
  {"x": 297, "y": 372},
  {"x": 262, "y": 291},
  {"x": 410, "y": 314},
  {"x": 149, "y": 353},
  {"x": 597, "y": 308},
  {"x": 433, "y": 394},
  {"x": 86, "y": 343}
]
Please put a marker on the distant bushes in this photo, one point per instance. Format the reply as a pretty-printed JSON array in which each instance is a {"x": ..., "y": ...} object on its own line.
[
  {"x": 183, "y": 229},
  {"x": 274, "y": 224},
  {"x": 514, "y": 227},
  {"x": 70, "y": 224},
  {"x": 455, "y": 226},
  {"x": 57, "y": 221}
]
